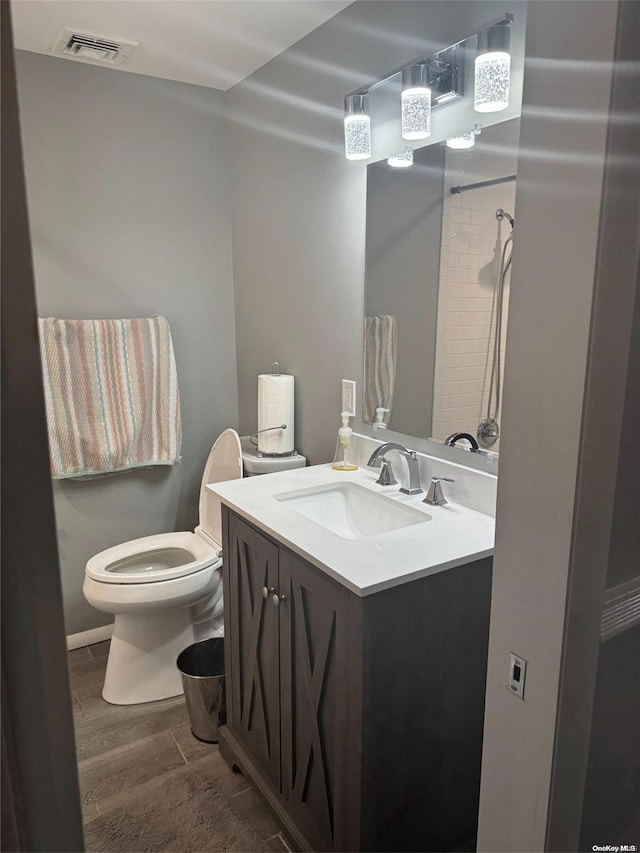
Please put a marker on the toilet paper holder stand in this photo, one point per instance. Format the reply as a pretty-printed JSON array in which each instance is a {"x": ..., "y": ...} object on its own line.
[
  {"x": 254, "y": 440},
  {"x": 275, "y": 371}
]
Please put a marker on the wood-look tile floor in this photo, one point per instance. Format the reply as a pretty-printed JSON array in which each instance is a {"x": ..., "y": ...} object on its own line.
[{"x": 124, "y": 749}]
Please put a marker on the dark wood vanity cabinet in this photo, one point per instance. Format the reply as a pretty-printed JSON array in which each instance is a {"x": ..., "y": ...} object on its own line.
[
  {"x": 252, "y": 638},
  {"x": 359, "y": 720}
]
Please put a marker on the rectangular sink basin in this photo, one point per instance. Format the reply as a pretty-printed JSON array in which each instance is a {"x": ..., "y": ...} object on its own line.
[{"x": 351, "y": 511}]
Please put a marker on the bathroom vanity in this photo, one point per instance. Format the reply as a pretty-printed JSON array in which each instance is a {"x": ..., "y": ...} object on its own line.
[{"x": 356, "y": 661}]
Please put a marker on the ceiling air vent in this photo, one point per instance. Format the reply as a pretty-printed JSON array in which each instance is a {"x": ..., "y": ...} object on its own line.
[{"x": 91, "y": 47}]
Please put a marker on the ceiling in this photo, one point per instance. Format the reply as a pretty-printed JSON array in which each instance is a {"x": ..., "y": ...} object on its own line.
[{"x": 215, "y": 43}]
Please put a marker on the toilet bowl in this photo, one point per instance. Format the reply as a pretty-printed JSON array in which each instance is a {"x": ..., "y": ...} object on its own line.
[{"x": 165, "y": 592}]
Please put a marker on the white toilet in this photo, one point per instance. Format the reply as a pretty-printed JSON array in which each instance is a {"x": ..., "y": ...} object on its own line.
[{"x": 165, "y": 592}]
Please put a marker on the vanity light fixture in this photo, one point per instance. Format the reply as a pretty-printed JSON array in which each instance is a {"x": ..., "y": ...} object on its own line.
[
  {"x": 403, "y": 159},
  {"x": 464, "y": 140},
  {"x": 416, "y": 102},
  {"x": 357, "y": 128},
  {"x": 493, "y": 68},
  {"x": 432, "y": 82}
]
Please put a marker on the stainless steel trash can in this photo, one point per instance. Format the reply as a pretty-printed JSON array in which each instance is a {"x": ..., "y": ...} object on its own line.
[{"x": 202, "y": 669}]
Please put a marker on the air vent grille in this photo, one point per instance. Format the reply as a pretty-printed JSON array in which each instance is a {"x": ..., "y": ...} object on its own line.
[{"x": 92, "y": 47}]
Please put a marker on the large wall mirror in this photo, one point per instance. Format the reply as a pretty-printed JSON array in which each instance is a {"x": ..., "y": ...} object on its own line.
[
  {"x": 439, "y": 238},
  {"x": 437, "y": 288}
]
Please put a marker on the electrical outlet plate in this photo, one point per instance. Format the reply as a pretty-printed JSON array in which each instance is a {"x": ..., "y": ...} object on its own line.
[
  {"x": 349, "y": 397},
  {"x": 517, "y": 674}
]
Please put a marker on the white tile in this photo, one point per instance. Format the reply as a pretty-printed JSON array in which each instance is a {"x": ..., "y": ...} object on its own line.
[
  {"x": 457, "y": 245},
  {"x": 462, "y": 276},
  {"x": 473, "y": 359},
  {"x": 464, "y": 318},
  {"x": 481, "y": 247},
  {"x": 470, "y": 261},
  {"x": 459, "y": 214},
  {"x": 472, "y": 333},
  {"x": 463, "y": 346},
  {"x": 480, "y": 217},
  {"x": 453, "y": 333}
]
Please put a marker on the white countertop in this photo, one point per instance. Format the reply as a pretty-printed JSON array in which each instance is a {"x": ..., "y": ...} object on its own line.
[{"x": 454, "y": 536}]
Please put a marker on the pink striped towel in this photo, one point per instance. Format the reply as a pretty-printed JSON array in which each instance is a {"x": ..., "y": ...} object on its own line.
[{"x": 111, "y": 392}]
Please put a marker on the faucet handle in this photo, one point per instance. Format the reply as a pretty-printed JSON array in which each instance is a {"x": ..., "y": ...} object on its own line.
[
  {"x": 435, "y": 495},
  {"x": 386, "y": 477}
]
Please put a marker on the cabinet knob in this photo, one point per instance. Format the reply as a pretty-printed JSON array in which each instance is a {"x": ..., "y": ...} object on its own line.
[
  {"x": 267, "y": 592},
  {"x": 276, "y": 599}
]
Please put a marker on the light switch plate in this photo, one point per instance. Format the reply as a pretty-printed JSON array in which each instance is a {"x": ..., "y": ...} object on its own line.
[
  {"x": 517, "y": 675},
  {"x": 349, "y": 397}
]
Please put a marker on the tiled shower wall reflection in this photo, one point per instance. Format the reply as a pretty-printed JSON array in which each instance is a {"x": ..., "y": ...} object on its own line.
[{"x": 472, "y": 243}]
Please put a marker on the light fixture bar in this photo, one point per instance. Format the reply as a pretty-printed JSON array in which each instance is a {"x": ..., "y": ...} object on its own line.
[
  {"x": 445, "y": 74},
  {"x": 456, "y": 49},
  {"x": 433, "y": 81}
]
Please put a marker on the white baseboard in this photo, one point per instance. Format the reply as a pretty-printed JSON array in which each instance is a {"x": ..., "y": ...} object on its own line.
[{"x": 88, "y": 638}]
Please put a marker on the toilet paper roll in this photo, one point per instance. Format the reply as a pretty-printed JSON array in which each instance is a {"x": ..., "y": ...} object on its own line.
[{"x": 275, "y": 407}]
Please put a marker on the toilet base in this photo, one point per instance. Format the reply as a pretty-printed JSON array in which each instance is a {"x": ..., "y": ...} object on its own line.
[{"x": 142, "y": 657}]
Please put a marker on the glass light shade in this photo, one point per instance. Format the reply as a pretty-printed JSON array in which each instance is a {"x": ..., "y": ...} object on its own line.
[
  {"x": 402, "y": 160},
  {"x": 492, "y": 82},
  {"x": 416, "y": 113},
  {"x": 463, "y": 140},
  {"x": 357, "y": 137}
]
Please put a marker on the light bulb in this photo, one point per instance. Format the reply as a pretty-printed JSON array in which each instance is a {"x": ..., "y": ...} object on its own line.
[
  {"x": 416, "y": 102},
  {"x": 357, "y": 128},
  {"x": 493, "y": 71},
  {"x": 402, "y": 159},
  {"x": 416, "y": 113},
  {"x": 464, "y": 140},
  {"x": 357, "y": 137}
]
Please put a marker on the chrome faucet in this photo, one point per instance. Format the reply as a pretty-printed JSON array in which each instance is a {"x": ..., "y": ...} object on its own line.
[
  {"x": 435, "y": 496},
  {"x": 386, "y": 477},
  {"x": 462, "y": 436},
  {"x": 410, "y": 484}
]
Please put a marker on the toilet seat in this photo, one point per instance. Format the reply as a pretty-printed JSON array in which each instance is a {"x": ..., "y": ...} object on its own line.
[
  {"x": 150, "y": 559},
  {"x": 166, "y": 556}
]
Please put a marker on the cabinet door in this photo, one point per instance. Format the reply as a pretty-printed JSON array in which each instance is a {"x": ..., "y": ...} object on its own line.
[
  {"x": 253, "y": 638},
  {"x": 314, "y": 700}
]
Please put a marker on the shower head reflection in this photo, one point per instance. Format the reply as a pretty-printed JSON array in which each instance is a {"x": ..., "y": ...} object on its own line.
[{"x": 502, "y": 214}]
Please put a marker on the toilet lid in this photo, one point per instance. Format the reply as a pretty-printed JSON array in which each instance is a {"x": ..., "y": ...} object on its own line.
[{"x": 224, "y": 463}]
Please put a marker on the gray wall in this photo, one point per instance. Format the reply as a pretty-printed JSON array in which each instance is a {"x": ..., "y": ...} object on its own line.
[
  {"x": 299, "y": 206},
  {"x": 611, "y": 807},
  {"x": 128, "y": 203},
  {"x": 553, "y": 507},
  {"x": 624, "y": 564}
]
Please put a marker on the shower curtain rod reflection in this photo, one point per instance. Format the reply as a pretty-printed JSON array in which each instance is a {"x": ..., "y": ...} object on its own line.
[{"x": 462, "y": 189}]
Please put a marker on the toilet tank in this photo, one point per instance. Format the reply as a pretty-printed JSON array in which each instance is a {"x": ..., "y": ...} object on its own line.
[
  {"x": 229, "y": 459},
  {"x": 255, "y": 463}
]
